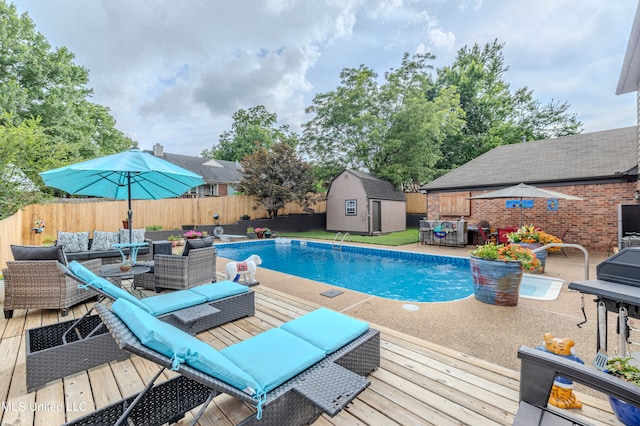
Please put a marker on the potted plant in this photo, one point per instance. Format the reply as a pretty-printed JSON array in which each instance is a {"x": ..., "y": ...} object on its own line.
[
  {"x": 497, "y": 272},
  {"x": 48, "y": 241},
  {"x": 251, "y": 233},
  {"x": 125, "y": 222},
  {"x": 126, "y": 265},
  {"x": 174, "y": 240},
  {"x": 625, "y": 369},
  {"x": 192, "y": 234},
  {"x": 40, "y": 223},
  {"x": 267, "y": 232},
  {"x": 530, "y": 237},
  {"x": 245, "y": 217}
]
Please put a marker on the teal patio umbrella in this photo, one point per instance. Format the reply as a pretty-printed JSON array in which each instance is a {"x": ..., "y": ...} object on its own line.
[{"x": 128, "y": 175}]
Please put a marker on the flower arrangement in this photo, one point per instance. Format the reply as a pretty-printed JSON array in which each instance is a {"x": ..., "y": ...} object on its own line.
[
  {"x": 263, "y": 230},
  {"x": 192, "y": 234},
  {"x": 524, "y": 234},
  {"x": 505, "y": 252},
  {"x": 529, "y": 234},
  {"x": 40, "y": 223}
]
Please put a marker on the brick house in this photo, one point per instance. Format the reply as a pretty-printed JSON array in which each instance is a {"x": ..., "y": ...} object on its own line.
[{"x": 600, "y": 167}]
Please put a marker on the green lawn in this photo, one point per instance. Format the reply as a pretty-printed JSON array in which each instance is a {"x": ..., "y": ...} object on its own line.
[{"x": 410, "y": 236}]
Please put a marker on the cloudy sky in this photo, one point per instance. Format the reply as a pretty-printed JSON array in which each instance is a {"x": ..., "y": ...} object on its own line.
[{"x": 173, "y": 72}]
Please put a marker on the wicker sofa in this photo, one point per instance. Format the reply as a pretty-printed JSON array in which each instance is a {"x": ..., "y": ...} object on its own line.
[
  {"x": 35, "y": 281},
  {"x": 78, "y": 245}
]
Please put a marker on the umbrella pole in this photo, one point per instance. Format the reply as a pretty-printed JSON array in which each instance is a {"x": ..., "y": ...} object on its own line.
[
  {"x": 129, "y": 212},
  {"x": 521, "y": 208}
]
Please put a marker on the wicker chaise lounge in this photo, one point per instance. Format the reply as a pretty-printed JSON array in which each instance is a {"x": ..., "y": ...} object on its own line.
[
  {"x": 58, "y": 350},
  {"x": 193, "y": 310},
  {"x": 292, "y": 374}
]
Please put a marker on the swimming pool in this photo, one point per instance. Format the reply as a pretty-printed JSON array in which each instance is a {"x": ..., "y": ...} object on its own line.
[{"x": 399, "y": 275}]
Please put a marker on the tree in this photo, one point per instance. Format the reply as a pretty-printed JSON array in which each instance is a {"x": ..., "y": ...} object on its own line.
[
  {"x": 494, "y": 115},
  {"x": 24, "y": 152},
  {"x": 393, "y": 130},
  {"x": 277, "y": 177},
  {"x": 251, "y": 129},
  {"x": 46, "y": 119}
]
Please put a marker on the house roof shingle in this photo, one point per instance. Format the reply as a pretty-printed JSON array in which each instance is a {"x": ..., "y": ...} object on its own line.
[
  {"x": 609, "y": 154},
  {"x": 212, "y": 171},
  {"x": 378, "y": 188}
]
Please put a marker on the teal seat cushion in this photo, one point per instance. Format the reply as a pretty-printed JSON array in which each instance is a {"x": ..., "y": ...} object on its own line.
[
  {"x": 273, "y": 357},
  {"x": 165, "y": 303},
  {"x": 180, "y": 347},
  {"x": 219, "y": 290},
  {"x": 106, "y": 286},
  {"x": 328, "y": 330},
  {"x": 207, "y": 359}
]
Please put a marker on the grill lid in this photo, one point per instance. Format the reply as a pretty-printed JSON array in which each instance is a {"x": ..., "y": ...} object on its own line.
[{"x": 623, "y": 267}]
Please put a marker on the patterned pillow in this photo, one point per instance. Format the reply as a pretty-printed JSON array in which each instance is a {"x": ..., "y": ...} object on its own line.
[
  {"x": 104, "y": 240},
  {"x": 138, "y": 235},
  {"x": 73, "y": 242}
]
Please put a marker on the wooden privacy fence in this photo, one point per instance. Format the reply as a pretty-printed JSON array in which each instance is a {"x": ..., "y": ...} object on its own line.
[{"x": 88, "y": 214}]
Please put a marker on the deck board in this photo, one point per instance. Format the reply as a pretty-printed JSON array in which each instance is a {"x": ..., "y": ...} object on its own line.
[{"x": 418, "y": 382}]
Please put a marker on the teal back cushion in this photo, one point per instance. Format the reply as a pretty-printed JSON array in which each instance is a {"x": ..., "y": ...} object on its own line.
[
  {"x": 153, "y": 333},
  {"x": 165, "y": 303},
  {"x": 81, "y": 271},
  {"x": 181, "y": 347},
  {"x": 328, "y": 330},
  {"x": 106, "y": 286},
  {"x": 219, "y": 290},
  {"x": 273, "y": 357}
]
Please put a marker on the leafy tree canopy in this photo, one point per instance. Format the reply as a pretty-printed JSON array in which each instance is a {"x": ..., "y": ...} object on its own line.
[
  {"x": 495, "y": 115},
  {"x": 393, "y": 130},
  {"x": 251, "y": 129},
  {"x": 276, "y": 177},
  {"x": 44, "y": 97},
  {"x": 414, "y": 127}
]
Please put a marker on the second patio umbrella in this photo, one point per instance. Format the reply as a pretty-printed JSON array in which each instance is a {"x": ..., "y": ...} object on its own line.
[
  {"x": 128, "y": 175},
  {"x": 524, "y": 191}
]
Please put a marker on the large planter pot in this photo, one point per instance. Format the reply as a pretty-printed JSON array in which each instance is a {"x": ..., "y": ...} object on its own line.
[
  {"x": 496, "y": 282},
  {"x": 628, "y": 414},
  {"x": 541, "y": 255}
]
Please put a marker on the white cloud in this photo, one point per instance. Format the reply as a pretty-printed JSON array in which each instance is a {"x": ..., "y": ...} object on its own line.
[{"x": 175, "y": 72}]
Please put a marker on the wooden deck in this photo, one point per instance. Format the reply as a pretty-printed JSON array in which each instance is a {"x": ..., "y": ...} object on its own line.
[{"x": 418, "y": 383}]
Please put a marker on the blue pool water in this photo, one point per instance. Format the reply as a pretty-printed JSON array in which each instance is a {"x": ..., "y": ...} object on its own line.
[{"x": 413, "y": 277}]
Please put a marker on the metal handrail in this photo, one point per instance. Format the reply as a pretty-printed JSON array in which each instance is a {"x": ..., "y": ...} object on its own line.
[
  {"x": 334, "y": 245},
  {"x": 578, "y": 246}
]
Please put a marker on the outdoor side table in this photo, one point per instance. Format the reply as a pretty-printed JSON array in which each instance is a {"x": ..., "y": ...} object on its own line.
[
  {"x": 113, "y": 272},
  {"x": 188, "y": 316}
]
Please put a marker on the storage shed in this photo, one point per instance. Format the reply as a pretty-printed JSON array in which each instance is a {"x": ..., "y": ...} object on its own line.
[{"x": 360, "y": 203}]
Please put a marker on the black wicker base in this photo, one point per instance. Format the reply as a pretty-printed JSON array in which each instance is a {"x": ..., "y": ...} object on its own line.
[
  {"x": 164, "y": 403},
  {"x": 48, "y": 358}
]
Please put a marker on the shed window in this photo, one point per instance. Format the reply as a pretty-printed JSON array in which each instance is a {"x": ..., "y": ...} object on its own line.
[{"x": 350, "y": 207}]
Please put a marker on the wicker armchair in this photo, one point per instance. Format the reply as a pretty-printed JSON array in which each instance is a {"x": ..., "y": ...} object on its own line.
[
  {"x": 180, "y": 272},
  {"x": 39, "y": 284}
]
